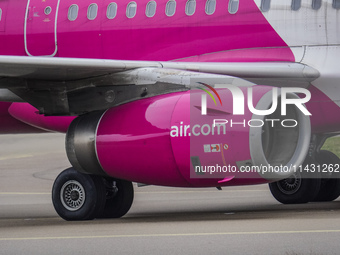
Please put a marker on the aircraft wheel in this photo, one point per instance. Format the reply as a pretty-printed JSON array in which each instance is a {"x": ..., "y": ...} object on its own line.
[
  {"x": 119, "y": 198},
  {"x": 297, "y": 189},
  {"x": 78, "y": 196},
  {"x": 330, "y": 187}
]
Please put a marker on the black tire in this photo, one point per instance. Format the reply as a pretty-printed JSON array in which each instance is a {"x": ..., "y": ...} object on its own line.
[
  {"x": 330, "y": 187},
  {"x": 119, "y": 198},
  {"x": 296, "y": 189},
  {"x": 78, "y": 196}
]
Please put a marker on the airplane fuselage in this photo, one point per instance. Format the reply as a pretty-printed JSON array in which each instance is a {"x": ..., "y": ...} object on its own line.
[
  {"x": 66, "y": 29},
  {"x": 46, "y": 28}
]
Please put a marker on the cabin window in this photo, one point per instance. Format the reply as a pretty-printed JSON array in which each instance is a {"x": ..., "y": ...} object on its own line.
[
  {"x": 131, "y": 10},
  {"x": 170, "y": 8},
  {"x": 265, "y": 5},
  {"x": 111, "y": 11},
  {"x": 190, "y": 7},
  {"x": 48, "y": 10},
  {"x": 210, "y": 7},
  {"x": 316, "y": 4},
  {"x": 150, "y": 10},
  {"x": 73, "y": 12},
  {"x": 336, "y": 4},
  {"x": 233, "y": 6},
  {"x": 92, "y": 11},
  {"x": 0, "y": 13},
  {"x": 296, "y": 5}
]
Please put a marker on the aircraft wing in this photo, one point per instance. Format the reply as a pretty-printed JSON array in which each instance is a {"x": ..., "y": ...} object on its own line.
[
  {"x": 61, "y": 86},
  {"x": 76, "y": 68}
]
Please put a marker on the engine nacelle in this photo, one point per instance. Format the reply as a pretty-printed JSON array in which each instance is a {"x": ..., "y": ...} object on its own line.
[
  {"x": 165, "y": 140},
  {"x": 29, "y": 115}
]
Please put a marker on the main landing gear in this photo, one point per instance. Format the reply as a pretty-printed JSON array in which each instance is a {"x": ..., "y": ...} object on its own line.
[
  {"x": 298, "y": 188},
  {"x": 78, "y": 196}
]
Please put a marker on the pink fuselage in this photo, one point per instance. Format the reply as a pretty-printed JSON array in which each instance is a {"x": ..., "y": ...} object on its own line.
[
  {"x": 142, "y": 38},
  {"x": 246, "y": 36}
]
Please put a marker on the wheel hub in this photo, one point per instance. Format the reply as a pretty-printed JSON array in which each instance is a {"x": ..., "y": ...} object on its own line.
[
  {"x": 290, "y": 185},
  {"x": 72, "y": 195},
  {"x": 75, "y": 195}
]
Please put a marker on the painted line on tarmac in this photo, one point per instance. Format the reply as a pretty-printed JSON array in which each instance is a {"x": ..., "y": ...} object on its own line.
[
  {"x": 170, "y": 235},
  {"x": 16, "y": 156},
  {"x": 25, "y": 193},
  {"x": 19, "y": 156},
  {"x": 198, "y": 190},
  {"x": 141, "y": 192}
]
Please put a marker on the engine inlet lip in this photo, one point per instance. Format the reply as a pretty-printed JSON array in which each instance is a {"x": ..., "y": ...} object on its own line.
[{"x": 256, "y": 147}]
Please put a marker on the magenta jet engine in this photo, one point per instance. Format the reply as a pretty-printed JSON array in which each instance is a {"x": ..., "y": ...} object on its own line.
[{"x": 186, "y": 139}]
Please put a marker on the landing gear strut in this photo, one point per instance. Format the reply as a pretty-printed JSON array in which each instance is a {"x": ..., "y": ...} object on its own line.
[
  {"x": 78, "y": 196},
  {"x": 119, "y": 198}
]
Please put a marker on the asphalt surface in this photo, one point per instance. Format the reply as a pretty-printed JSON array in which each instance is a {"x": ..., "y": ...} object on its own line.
[{"x": 237, "y": 220}]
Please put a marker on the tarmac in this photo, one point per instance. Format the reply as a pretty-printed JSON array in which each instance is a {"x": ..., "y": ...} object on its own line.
[{"x": 162, "y": 220}]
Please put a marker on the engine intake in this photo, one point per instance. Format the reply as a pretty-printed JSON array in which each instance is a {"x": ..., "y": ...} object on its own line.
[{"x": 282, "y": 145}]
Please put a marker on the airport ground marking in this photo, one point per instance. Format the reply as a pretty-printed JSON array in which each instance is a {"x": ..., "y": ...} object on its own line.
[
  {"x": 25, "y": 193},
  {"x": 140, "y": 192},
  {"x": 170, "y": 235}
]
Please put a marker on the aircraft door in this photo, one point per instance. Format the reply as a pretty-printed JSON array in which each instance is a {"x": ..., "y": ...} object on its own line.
[
  {"x": 3, "y": 13},
  {"x": 41, "y": 27}
]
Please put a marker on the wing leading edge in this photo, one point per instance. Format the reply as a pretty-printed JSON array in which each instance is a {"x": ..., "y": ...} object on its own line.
[{"x": 45, "y": 68}]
